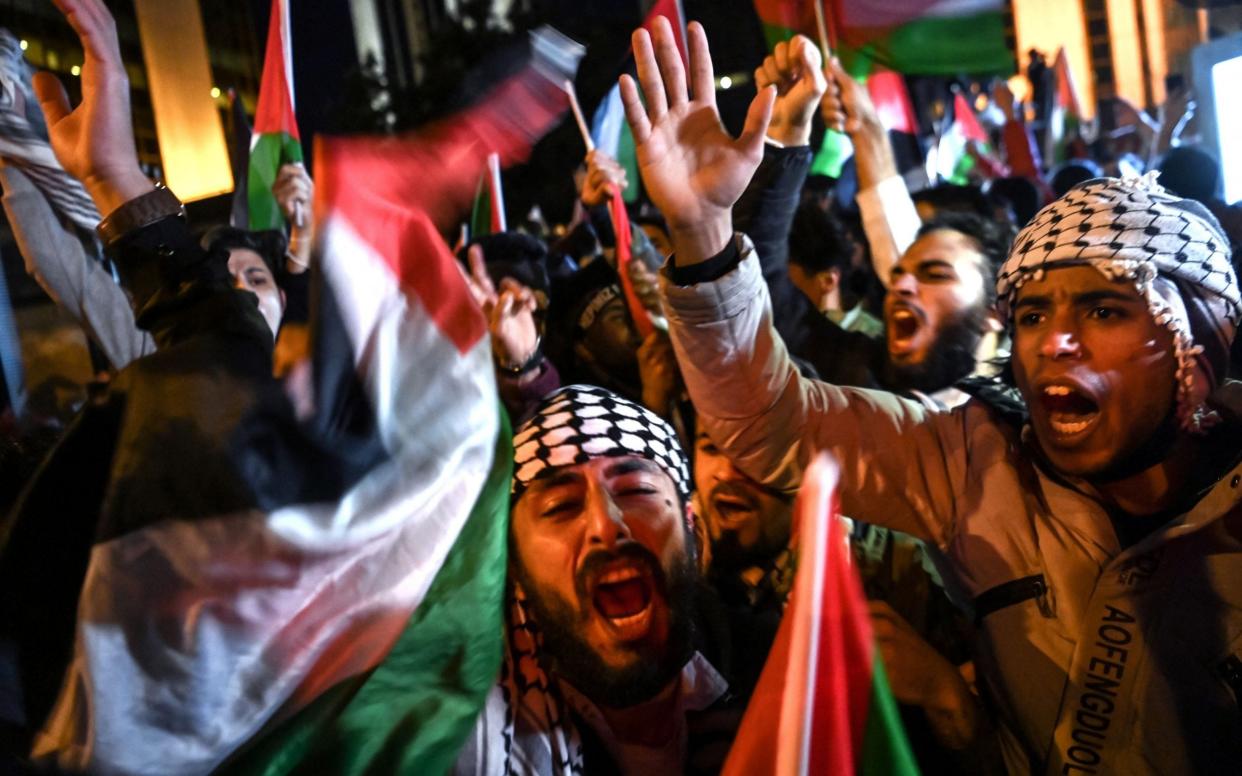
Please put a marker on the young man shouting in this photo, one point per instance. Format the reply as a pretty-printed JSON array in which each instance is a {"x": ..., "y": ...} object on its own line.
[{"x": 1100, "y": 543}]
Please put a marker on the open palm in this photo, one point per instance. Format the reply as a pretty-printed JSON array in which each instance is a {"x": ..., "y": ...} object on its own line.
[
  {"x": 95, "y": 141},
  {"x": 691, "y": 167}
]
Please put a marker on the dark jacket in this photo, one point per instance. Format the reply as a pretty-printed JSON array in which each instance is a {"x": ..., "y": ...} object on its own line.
[{"x": 765, "y": 213}]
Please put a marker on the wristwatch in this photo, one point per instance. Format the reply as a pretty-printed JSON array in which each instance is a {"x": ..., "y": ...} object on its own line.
[{"x": 140, "y": 211}]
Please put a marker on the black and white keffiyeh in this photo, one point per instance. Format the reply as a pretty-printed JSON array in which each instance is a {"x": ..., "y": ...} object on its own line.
[
  {"x": 23, "y": 140},
  {"x": 580, "y": 422},
  {"x": 1172, "y": 249}
]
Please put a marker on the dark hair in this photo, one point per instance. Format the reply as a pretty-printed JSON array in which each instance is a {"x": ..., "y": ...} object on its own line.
[
  {"x": 270, "y": 244},
  {"x": 952, "y": 198},
  {"x": 990, "y": 238},
  {"x": 1019, "y": 193},
  {"x": 818, "y": 240},
  {"x": 1190, "y": 172},
  {"x": 516, "y": 255},
  {"x": 1072, "y": 173}
]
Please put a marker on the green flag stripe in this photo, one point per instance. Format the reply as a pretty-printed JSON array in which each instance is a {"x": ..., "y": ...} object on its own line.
[
  {"x": 885, "y": 748},
  {"x": 412, "y": 713},
  {"x": 481, "y": 211},
  {"x": 268, "y": 153},
  {"x": 939, "y": 45},
  {"x": 627, "y": 157}
]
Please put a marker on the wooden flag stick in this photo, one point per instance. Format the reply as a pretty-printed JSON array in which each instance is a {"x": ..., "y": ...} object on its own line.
[
  {"x": 822, "y": 28},
  {"x": 577, "y": 109}
]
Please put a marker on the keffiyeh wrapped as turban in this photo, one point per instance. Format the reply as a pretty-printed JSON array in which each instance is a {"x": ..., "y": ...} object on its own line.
[
  {"x": 580, "y": 422},
  {"x": 1172, "y": 249}
]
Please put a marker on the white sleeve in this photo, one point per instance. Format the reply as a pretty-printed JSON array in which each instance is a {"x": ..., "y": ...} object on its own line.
[{"x": 889, "y": 221}]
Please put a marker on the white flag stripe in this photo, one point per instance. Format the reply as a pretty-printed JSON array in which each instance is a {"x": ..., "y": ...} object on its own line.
[{"x": 217, "y": 627}]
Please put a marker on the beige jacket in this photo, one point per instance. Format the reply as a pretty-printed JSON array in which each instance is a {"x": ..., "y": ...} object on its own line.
[{"x": 1115, "y": 662}]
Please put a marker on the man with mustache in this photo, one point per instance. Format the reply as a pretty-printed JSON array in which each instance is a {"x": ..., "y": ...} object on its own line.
[
  {"x": 601, "y": 669},
  {"x": 1099, "y": 543}
]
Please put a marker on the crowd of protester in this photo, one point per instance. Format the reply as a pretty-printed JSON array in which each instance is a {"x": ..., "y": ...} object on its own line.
[{"x": 1025, "y": 381}]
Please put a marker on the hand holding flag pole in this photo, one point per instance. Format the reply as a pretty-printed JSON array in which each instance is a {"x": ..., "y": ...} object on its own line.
[{"x": 620, "y": 229}]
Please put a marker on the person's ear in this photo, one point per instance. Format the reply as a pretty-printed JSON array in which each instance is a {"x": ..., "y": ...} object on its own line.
[
  {"x": 283, "y": 302},
  {"x": 829, "y": 280}
]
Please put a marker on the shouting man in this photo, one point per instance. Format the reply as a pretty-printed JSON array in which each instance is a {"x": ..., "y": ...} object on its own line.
[{"x": 1100, "y": 543}]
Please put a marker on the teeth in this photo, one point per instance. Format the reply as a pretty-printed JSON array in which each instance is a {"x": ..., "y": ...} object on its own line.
[
  {"x": 902, "y": 314},
  {"x": 1056, "y": 390},
  {"x": 620, "y": 575},
  {"x": 1069, "y": 428}
]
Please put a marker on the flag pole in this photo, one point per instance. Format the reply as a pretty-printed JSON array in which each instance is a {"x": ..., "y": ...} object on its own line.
[
  {"x": 822, "y": 28},
  {"x": 568, "y": 86}
]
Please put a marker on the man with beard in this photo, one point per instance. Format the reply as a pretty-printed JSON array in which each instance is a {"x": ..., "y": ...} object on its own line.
[
  {"x": 939, "y": 324},
  {"x": 1099, "y": 543},
  {"x": 601, "y": 672}
]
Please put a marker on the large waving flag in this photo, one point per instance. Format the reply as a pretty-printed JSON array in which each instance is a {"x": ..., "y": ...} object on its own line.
[
  {"x": 275, "y": 140},
  {"x": 822, "y": 705},
  {"x": 916, "y": 37},
  {"x": 356, "y": 631}
]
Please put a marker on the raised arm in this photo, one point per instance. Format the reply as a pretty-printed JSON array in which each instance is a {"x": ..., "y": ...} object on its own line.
[
  {"x": 57, "y": 259},
  {"x": 748, "y": 394},
  {"x": 766, "y": 209},
  {"x": 174, "y": 289},
  {"x": 888, "y": 215}
]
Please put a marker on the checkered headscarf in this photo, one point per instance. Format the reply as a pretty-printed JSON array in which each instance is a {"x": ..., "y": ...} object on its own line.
[
  {"x": 580, "y": 422},
  {"x": 1172, "y": 249}
]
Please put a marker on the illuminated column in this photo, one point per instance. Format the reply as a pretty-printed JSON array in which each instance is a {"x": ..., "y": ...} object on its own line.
[
  {"x": 1123, "y": 35},
  {"x": 1157, "y": 53},
  {"x": 187, "y": 123},
  {"x": 1049, "y": 24}
]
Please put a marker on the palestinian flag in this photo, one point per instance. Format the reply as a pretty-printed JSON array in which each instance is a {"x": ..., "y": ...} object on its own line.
[
  {"x": 1065, "y": 124},
  {"x": 888, "y": 93},
  {"x": 914, "y": 37},
  {"x": 239, "y": 160},
  {"x": 487, "y": 214},
  {"x": 275, "y": 140},
  {"x": 822, "y": 705},
  {"x": 611, "y": 134},
  {"x": 954, "y": 160},
  {"x": 354, "y": 625}
]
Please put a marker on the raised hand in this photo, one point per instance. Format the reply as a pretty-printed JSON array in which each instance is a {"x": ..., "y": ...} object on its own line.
[
  {"x": 294, "y": 191},
  {"x": 847, "y": 107},
  {"x": 691, "y": 167},
  {"x": 95, "y": 141},
  {"x": 603, "y": 172},
  {"x": 510, "y": 313},
  {"x": 795, "y": 69}
]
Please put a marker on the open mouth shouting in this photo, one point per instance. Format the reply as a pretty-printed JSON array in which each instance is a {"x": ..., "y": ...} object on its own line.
[
  {"x": 1070, "y": 410},
  {"x": 732, "y": 505},
  {"x": 905, "y": 324},
  {"x": 622, "y": 593}
]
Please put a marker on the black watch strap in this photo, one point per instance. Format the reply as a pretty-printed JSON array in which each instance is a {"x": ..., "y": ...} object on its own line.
[{"x": 157, "y": 204}]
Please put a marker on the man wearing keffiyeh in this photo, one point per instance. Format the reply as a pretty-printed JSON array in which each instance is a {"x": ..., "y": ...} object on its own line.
[
  {"x": 601, "y": 673},
  {"x": 1096, "y": 542}
]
